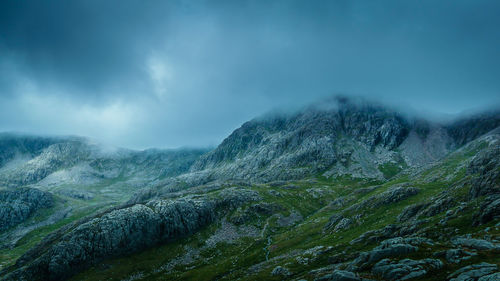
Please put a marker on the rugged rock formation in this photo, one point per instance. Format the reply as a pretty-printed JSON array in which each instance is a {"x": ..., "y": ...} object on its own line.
[
  {"x": 18, "y": 205},
  {"x": 45, "y": 162},
  {"x": 405, "y": 269},
  {"x": 485, "y": 169},
  {"x": 292, "y": 146},
  {"x": 123, "y": 231}
]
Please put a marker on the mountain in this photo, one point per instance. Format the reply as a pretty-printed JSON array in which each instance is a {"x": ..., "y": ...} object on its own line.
[
  {"x": 342, "y": 190},
  {"x": 335, "y": 138},
  {"x": 46, "y": 174}
]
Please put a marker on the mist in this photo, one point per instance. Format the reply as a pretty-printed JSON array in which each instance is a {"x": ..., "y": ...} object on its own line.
[{"x": 181, "y": 73}]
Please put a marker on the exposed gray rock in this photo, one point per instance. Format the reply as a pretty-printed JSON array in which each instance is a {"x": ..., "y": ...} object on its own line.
[
  {"x": 405, "y": 269},
  {"x": 122, "y": 231},
  {"x": 478, "y": 244},
  {"x": 343, "y": 224},
  {"x": 17, "y": 205},
  {"x": 437, "y": 206},
  {"x": 392, "y": 195},
  {"x": 473, "y": 272},
  {"x": 333, "y": 221},
  {"x": 490, "y": 210},
  {"x": 339, "y": 275},
  {"x": 469, "y": 128},
  {"x": 340, "y": 202},
  {"x": 394, "y": 247},
  {"x": 410, "y": 212},
  {"x": 458, "y": 255},
  {"x": 281, "y": 271},
  {"x": 490, "y": 277},
  {"x": 485, "y": 168},
  {"x": 288, "y": 146}
]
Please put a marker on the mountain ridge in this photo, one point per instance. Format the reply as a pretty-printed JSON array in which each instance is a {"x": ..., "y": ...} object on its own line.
[{"x": 343, "y": 189}]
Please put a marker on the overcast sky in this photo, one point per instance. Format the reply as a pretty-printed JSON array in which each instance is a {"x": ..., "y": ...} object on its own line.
[{"x": 186, "y": 73}]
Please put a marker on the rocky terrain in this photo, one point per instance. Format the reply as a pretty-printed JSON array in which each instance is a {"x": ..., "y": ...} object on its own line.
[{"x": 348, "y": 190}]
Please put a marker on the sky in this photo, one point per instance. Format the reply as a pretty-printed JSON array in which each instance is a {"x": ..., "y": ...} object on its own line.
[{"x": 169, "y": 74}]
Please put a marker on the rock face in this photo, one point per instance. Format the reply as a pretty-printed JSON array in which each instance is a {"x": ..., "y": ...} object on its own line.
[
  {"x": 292, "y": 146},
  {"x": 481, "y": 272},
  {"x": 122, "y": 231},
  {"x": 13, "y": 146},
  {"x": 340, "y": 136},
  {"x": 392, "y": 195},
  {"x": 18, "y": 205},
  {"x": 405, "y": 269},
  {"x": 394, "y": 247},
  {"x": 339, "y": 275},
  {"x": 47, "y": 163},
  {"x": 469, "y": 128},
  {"x": 281, "y": 271},
  {"x": 485, "y": 169}
]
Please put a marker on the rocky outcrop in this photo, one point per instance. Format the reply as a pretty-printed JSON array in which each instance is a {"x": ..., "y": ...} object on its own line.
[
  {"x": 471, "y": 127},
  {"x": 281, "y": 271},
  {"x": 485, "y": 171},
  {"x": 53, "y": 161},
  {"x": 405, "y": 269},
  {"x": 480, "y": 272},
  {"x": 411, "y": 211},
  {"x": 17, "y": 205},
  {"x": 123, "y": 231},
  {"x": 13, "y": 146},
  {"x": 339, "y": 275},
  {"x": 477, "y": 244},
  {"x": 489, "y": 210},
  {"x": 395, "y": 247},
  {"x": 287, "y": 146},
  {"x": 392, "y": 195}
]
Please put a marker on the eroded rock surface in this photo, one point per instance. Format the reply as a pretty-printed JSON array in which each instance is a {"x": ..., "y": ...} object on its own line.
[
  {"x": 123, "y": 231},
  {"x": 17, "y": 205}
]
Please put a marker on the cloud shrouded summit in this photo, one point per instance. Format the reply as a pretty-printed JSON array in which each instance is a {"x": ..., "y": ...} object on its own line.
[{"x": 174, "y": 73}]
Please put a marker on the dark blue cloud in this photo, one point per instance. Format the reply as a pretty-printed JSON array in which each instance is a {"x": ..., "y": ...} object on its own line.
[{"x": 168, "y": 73}]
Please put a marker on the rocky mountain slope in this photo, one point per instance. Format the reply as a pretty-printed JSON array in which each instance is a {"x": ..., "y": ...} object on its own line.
[
  {"x": 341, "y": 136},
  {"x": 45, "y": 181},
  {"x": 338, "y": 137},
  {"x": 342, "y": 191}
]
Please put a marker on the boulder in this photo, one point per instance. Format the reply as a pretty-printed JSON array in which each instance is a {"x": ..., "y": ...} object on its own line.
[
  {"x": 280, "y": 271},
  {"x": 478, "y": 244},
  {"x": 396, "y": 247},
  {"x": 405, "y": 269}
]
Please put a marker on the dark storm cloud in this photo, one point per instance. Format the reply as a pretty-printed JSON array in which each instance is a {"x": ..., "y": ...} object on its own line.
[{"x": 172, "y": 73}]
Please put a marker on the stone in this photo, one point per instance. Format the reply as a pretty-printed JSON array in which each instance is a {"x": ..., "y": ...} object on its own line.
[
  {"x": 122, "y": 231},
  {"x": 281, "y": 271},
  {"x": 473, "y": 272},
  {"x": 17, "y": 205},
  {"x": 405, "y": 269},
  {"x": 339, "y": 275},
  {"x": 478, "y": 244},
  {"x": 343, "y": 224},
  {"x": 490, "y": 210}
]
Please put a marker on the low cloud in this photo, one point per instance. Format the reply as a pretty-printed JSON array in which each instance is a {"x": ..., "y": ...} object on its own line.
[{"x": 177, "y": 73}]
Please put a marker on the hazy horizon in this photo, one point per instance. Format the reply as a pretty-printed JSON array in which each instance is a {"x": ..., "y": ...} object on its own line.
[{"x": 186, "y": 74}]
